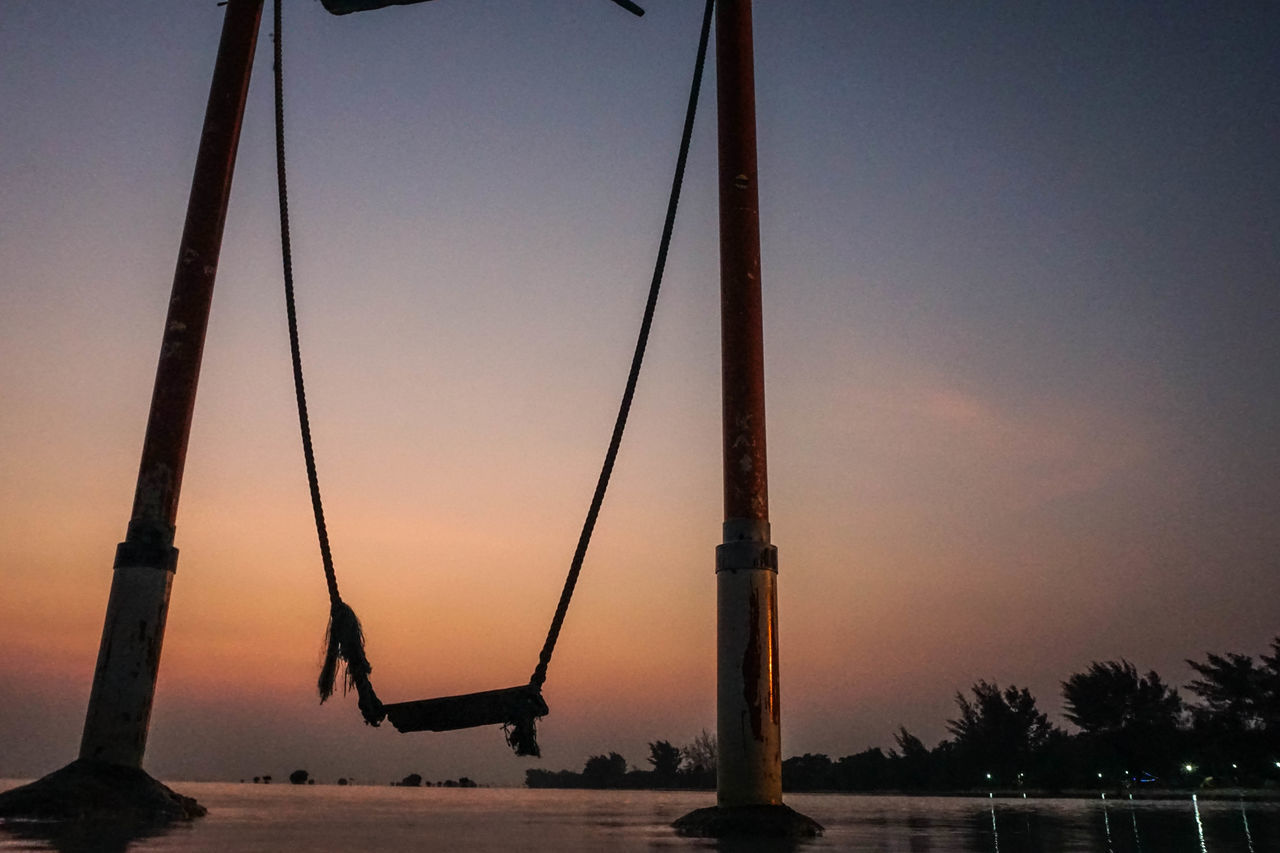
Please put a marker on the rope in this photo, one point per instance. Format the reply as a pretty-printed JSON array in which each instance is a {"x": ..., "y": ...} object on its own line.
[
  {"x": 539, "y": 676},
  {"x": 344, "y": 639}
]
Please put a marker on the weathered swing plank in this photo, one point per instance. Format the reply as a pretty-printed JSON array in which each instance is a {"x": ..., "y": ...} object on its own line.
[{"x": 467, "y": 710}]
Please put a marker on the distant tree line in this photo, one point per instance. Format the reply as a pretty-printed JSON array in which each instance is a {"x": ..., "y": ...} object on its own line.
[
  {"x": 690, "y": 766},
  {"x": 415, "y": 780},
  {"x": 1129, "y": 730}
]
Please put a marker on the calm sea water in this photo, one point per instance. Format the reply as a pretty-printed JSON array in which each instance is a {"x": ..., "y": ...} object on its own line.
[{"x": 323, "y": 818}]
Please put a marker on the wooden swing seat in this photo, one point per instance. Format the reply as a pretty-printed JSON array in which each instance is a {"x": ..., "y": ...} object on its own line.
[{"x": 467, "y": 710}]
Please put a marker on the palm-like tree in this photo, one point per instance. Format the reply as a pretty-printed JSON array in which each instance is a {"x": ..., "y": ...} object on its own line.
[
  {"x": 1129, "y": 719},
  {"x": 1231, "y": 687},
  {"x": 1001, "y": 730}
]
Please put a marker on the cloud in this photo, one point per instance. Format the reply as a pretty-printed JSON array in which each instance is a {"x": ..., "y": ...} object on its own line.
[{"x": 1023, "y": 453}]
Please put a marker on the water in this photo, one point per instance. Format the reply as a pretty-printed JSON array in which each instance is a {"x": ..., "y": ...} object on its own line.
[{"x": 322, "y": 818}]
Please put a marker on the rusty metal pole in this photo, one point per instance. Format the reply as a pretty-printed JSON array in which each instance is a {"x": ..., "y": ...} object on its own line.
[
  {"x": 749, "y": 768},
  {"x": 748, "y": 721},
  {"x": 124, "y": 681}
]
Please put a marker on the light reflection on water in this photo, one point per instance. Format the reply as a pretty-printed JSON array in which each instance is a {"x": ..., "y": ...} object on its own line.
[
  {"x": 995, "y": 833},
  {"x": 323, "y": 818},
  {"x": 1248, "y": 836},
  {"x": 1106, "y": 823},
  {"x": 1195, "y": 804}
]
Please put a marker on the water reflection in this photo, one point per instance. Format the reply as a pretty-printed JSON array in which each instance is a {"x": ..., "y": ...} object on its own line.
[
  {"x": 1015, "y": 827},
  {"x": 1106, "y": 824},
  {"x": 327, "y": 819},
  {"x": 919, "y": 834},
  {"x": 995, "y": 831},
  {"x": 1244, "y": 818},
  {"x": 1133, "y": 819},
  {"x": 80, "y": 837},
  {"x": 1080, "y": 826},
  {"x": 757, "y": 845},
  {"x": 1195, "y": 804}
]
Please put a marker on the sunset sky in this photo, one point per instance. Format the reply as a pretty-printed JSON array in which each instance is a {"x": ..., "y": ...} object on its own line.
[{"x": 1021, "y": 268}]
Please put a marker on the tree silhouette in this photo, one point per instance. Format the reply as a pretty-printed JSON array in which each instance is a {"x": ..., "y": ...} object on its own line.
[
  {"x": 1231, "y": 687},
  {"x": 911, "y": 758},
  {"x": 868, "y": 770},
  {"x": 1270, "y": 699},
  {"x": 605, "y": 771},
  {"x": 1111, "y": 697},
  {"x": 1128, "y": 720},
  {"x": 1238, "y": 725},
  {"x": 808, "y": 772},
  {"x": 699, "y": 756},
  {"x": 665, "y": 758},
  {"x": 999, "y": 732}
]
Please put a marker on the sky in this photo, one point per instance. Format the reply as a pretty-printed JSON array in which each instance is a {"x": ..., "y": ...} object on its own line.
[{"x": 1020, "y": 267}]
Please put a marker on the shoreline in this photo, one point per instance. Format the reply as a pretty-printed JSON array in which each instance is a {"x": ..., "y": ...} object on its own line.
[{"x": 1156, "y": 794}]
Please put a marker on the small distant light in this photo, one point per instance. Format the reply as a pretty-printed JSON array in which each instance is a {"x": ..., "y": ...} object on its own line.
[
  {"x": 1233, "y": 766},
  {"x": 988, "y": 775},
  {"x": 1188, "y": 767},
  {"x": 1099, "y": 775}
]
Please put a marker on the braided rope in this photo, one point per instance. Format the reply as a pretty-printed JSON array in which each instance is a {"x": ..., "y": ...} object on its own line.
[
  {"x": 344, "y": 639},
  {"x": 584, "y": 539}
]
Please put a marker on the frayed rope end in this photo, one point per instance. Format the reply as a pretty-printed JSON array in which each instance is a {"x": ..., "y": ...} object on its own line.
[
  {"x": 522, "y": 736},
  {"x": 521, "y": 728},
  {"x": 344, "y": 650}
]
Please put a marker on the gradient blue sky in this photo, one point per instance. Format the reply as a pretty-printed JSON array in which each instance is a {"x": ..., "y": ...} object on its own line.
[{"x": 1021, "y": 267}]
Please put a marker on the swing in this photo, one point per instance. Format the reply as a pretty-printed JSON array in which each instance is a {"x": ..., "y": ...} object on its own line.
[
  {"x": 517, "y": 709},
  {"x": 343, "y": 7}
]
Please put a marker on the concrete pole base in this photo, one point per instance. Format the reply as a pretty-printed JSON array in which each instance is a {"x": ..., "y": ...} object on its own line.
[
  {"x": 87, "y": 790},
  {"x": 764, "y": 821}
]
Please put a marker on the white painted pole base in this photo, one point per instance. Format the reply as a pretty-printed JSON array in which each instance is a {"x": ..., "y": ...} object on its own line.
[
  {"x": 748, "y": 719},
  {"x": 124, "y": 682}
]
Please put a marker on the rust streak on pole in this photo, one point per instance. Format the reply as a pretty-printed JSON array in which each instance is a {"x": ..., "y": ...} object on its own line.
[
  {"x": 124, "y": 681},
  {"x": 164, "y": 449},
  {"x": 746, "y": 484}
]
